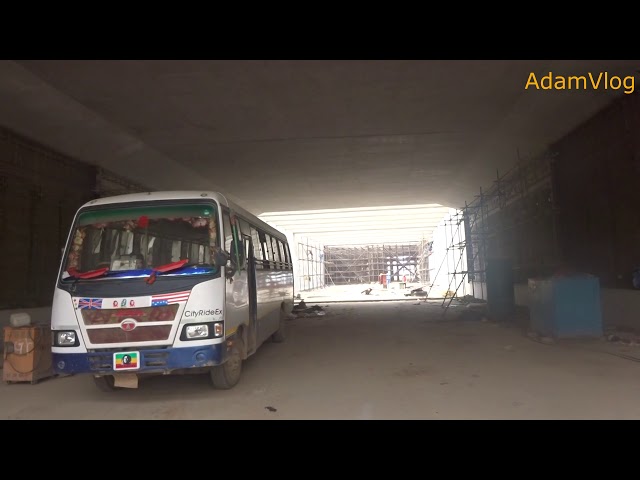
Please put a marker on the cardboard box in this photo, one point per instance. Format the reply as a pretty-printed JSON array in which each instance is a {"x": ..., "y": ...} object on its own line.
[{"x": 27, "y": 354}]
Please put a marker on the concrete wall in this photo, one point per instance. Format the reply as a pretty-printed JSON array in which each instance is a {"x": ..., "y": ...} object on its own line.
[
  {"x": 620, "y": 307},
  {"x": 592, "y": 222},
  {"x": 582, "y": 215},
  {"x": 596, "y": 177},
  {"x": 40, "y": 191}
]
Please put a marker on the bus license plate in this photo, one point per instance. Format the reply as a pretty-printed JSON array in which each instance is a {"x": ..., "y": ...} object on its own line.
[{"x": 126, "y": 361}]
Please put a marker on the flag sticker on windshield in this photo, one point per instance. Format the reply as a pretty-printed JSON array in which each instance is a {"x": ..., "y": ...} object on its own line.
[
  {"x": 167, "y": 298},
  {"x": 89, "y": 303}
]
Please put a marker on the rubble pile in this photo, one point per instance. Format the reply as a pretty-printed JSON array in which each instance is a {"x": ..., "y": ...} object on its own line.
[{"x": 302, "y": 310}]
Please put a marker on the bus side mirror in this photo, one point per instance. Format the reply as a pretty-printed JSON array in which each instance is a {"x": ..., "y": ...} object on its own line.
[{"x": 220, "y": 258}]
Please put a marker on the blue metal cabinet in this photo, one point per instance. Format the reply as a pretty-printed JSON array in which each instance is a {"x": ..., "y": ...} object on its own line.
[{"x": 566, "y": 307}]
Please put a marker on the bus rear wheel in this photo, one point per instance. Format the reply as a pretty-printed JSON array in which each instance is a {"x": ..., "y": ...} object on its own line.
[
  {"x": 280, "y": 335},
  {"x": 227, "y": 375}
]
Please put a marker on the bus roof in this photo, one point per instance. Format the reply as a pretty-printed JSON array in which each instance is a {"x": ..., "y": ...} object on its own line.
[
  {"x": 161, "y": 195},
  {"x": 185, "y": 195}
]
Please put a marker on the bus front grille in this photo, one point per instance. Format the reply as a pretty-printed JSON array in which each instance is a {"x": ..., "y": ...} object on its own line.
[{"x": 151, "y": 333}]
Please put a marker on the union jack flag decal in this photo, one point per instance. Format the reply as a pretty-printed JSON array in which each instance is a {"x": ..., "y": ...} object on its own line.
[{"x": 90, "y": 303}]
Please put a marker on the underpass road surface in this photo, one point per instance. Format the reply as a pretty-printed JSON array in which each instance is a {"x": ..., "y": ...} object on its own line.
[{"x": 375, "y": 360}]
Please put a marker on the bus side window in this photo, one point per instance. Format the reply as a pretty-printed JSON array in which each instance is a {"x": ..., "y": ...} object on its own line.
[
  {"x": 228, "y": 236},
  {"x": 286, "y": 254},
  {"x": 266, "y": 255},
  {"x": 244, "y": 226},
  {"x": 286, "y": 247},
  {"x": 276, "y": 253},
  {"x": 243, "y": 229},
  {"x": 237, "y": 245},
  {"x": 283, "y": 257},
  {"x": 273, "y": 256},
  {"x": 230, "y": 244},
  {"x": 257, "y": 250}
]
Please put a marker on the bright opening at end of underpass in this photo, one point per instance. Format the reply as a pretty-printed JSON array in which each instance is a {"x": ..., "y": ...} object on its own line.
[{"x": 382, "y": 247}]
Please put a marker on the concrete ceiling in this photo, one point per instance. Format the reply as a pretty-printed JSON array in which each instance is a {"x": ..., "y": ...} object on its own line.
[
  {"x": 365, "y": 225},
  {"x": 301, "y": 135}
]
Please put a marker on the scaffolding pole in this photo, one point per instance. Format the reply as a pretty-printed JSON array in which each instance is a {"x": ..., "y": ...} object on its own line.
[{"x": 520, "y": 196}]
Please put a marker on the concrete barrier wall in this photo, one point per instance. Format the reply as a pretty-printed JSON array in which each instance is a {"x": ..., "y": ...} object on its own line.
[{"x": 620, "y": 307}]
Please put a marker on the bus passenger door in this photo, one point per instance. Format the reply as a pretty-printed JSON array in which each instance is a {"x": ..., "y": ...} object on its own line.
[
  {"x": 237, "y": 287},
  {"x": 251, "y": 289}
]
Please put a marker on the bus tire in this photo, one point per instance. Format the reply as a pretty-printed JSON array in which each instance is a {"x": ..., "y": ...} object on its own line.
[
  {"x": 105, "y": 383},
  {"x": 227, "y": 375},
  {"x": 280, "y": 335}
]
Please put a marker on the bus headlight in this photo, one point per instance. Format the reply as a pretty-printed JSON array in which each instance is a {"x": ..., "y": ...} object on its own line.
[
  {"x": 197, "y": 331},
  {"x": 202, "y": 331},
  {"x": 66, "y": 339}
]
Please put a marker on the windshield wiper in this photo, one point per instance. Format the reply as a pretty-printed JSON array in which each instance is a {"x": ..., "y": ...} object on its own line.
[
  {"x": 166, "y": 268},
  {"x": 99, "y": 272}
]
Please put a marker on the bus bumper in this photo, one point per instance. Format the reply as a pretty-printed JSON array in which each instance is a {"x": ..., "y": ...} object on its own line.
[{"x": 162, "y": 360}]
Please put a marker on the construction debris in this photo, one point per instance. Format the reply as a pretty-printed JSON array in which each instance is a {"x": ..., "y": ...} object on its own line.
[
  {"x": 622, "y": 334},
  {"x": 625, "y": 339},
  {"x": 467, "y": 299},
  {"x": 301, "y": 310},
  {"x": 416, "y": 292}
]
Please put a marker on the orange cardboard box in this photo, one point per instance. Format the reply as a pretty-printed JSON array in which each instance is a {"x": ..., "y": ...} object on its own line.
[{"x": 27, "y": 354}]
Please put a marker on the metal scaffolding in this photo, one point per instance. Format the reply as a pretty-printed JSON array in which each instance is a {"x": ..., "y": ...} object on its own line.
[
  {"x": 425, "y": 250},
  {"x": 310, "y": 271},
  {"x": 514, "y": 218},
  {"x": 364, "y": 264}
]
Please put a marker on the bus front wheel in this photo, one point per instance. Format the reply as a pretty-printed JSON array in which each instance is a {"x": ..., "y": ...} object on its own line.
[
  {"x": 105, "y": 383},
  {"x": 227, "y": 375}
]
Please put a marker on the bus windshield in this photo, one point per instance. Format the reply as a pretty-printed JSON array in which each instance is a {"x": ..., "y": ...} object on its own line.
[{"x": 134, "y": 241}]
